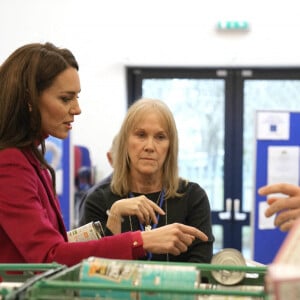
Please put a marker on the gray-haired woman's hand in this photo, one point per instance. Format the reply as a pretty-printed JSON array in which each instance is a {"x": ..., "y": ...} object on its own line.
[{"x": 139, "y": 206}]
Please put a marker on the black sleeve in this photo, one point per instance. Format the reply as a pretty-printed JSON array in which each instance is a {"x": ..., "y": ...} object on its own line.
[
  {"x": 94, "y": 207},
  {"x": 199, "y": 216}
]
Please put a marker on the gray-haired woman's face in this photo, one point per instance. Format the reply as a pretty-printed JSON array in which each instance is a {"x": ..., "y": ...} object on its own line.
[{"x": 148, "y": 145}]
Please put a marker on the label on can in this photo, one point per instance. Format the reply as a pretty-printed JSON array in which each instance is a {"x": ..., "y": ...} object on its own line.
[
  {"x": 132, "y": 274},
  {"x": 228, "y": 257},
  {"x": 90, "y": 231}
]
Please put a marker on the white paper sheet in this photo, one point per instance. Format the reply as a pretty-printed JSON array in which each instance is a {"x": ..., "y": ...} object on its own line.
[
  {"x": 273, "y": 125},
  {"x": 263, "y": 221},
  {"x": 283, "y": 164}
]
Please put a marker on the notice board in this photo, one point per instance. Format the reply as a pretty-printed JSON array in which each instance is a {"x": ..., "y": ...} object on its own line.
[{"x": 277, "y": 160}]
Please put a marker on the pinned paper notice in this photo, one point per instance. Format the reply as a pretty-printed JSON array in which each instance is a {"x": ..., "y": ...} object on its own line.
[
  {"x": 273, "y": 125},
  {"x": 283, "y": 164},
  {"x": 264, "y": 222}
]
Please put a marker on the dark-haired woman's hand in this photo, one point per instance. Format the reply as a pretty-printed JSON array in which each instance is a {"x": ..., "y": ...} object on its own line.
[{"x": 173, "y": 238}]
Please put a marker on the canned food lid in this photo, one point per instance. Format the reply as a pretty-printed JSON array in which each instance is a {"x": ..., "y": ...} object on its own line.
[{"x": 228, "y": 257}]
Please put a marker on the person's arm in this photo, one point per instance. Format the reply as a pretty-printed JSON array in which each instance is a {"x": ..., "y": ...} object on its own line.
[
  {"x": 101, "y": 205},
  {"x": 95, "y": 206},
  {"x": 173, "y": 238},
  {"x": 286, "y": 208},
  {"x": 30, "y": 229},
  {"x": 31, "y": 224},
  {"x": 141, "y": 207},
  {"x": 199, "y": 216}
]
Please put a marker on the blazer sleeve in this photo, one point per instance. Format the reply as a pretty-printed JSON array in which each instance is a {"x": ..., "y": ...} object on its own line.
[{"x": 29, "y": 222}]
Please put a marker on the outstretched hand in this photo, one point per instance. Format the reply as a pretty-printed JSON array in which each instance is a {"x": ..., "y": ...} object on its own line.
[
  {"x": 287, "y": 209},
  {"x": 173, "y": 238}
]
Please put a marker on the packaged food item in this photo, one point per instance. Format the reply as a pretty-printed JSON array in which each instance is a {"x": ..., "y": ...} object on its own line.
[
  {"x": 130, "y": 274},
  {"x": 171, "y": 277},
  {"x": 90, "y": 231},
  {"x": 228, "y": 257},
  {"x": 219, "y": 287}
]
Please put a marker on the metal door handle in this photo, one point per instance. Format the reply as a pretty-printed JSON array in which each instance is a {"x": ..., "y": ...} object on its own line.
[
  {"x": 226, "y": 215},
  {"x": 238, "y": 216}
]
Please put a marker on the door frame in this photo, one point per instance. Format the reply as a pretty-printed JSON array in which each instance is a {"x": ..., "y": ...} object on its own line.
[{"x": 234, "y": 108}]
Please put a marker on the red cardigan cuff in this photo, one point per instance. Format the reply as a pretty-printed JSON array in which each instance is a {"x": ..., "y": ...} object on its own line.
[{"x": 137, "y": 245}]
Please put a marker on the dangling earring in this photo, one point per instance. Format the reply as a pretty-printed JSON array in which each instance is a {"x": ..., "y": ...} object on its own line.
[{"x": 30, "y": 107}]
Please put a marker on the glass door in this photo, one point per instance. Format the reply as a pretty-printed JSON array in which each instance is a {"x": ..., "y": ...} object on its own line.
[
  {"x": 198, "y": 107},
  {"x": 261, "y": 90},
  {"x": 214, "y": 111}
]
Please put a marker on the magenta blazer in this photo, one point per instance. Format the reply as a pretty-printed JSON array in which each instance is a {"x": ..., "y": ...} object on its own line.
[{"x": 31, "y": 224}]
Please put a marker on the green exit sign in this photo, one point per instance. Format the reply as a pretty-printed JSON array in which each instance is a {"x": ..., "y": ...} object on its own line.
[{"x": 233, "y": 25}]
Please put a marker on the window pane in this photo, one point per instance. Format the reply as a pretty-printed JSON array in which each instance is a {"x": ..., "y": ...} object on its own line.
[{"x": 198, "y": 108}]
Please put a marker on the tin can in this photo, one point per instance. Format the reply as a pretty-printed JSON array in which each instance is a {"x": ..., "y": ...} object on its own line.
[
  {"x": 90, "y": 231},
  {"x": 168, "y": 276},
  {"x": 131, "y": 274},
  {"x": 228, "y": 257}
]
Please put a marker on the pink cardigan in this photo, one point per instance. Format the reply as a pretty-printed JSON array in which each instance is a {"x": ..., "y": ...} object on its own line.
[{"x": 31, "y": 224}]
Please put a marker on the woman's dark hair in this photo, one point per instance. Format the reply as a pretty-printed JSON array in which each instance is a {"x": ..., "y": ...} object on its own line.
[{"x": 24, "y": 75}]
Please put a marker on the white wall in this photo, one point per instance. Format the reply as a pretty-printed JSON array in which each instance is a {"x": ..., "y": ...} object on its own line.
[{"x": 105, "y": 36}]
